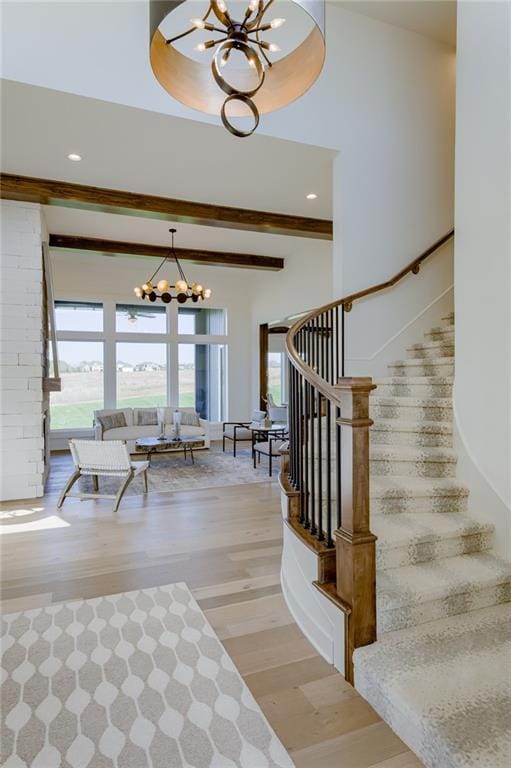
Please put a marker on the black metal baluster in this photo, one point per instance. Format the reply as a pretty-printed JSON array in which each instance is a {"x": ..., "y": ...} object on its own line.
[
  {"x": 292, "y": 433},
  {"x": 292, "y": 424},
  {"x": 342, "y": 341},
  {"x": 312, "y": 460},
  {"x": 306, "y": 425},
  {"x": 329, "y": 541},
  {"x": 320, "y": 469}
]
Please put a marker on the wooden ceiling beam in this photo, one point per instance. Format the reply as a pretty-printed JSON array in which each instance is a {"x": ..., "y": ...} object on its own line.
[
  {"x": 194, "y": 255},
  {"x": 52, "y": 192}
]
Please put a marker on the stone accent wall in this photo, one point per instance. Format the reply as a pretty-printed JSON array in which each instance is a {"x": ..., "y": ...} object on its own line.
[{"x": 21, "y": 337}]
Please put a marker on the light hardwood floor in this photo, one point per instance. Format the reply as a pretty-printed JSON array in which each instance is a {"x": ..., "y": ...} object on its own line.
[{"x": 226, "y": 544}]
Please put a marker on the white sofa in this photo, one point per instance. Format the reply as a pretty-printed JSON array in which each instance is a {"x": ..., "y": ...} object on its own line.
[{"x": 134, "y": 429}]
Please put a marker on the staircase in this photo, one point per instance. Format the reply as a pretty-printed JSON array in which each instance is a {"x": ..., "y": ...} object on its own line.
[{"x": 440, "y": 672}]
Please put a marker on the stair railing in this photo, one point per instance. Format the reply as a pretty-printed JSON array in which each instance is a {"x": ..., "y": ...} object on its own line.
[{"x": 326, "y": 476}]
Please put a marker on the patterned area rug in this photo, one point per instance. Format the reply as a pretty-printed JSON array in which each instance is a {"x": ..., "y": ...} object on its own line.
[
  {"x": 134, "y": 680},
  {"x": 212, "y": 468}
]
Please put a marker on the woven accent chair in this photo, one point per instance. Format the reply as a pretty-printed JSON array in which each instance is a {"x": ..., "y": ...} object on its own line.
[{"x": 102, "y": 459}]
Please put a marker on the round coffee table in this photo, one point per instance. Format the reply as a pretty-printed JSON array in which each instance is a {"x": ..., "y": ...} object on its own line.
[{"x": 150, "y": 445}]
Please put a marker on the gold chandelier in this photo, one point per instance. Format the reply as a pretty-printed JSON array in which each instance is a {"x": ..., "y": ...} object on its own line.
[
  {"x": 262, "y": 86},
  {"x": 183, "y": 290}
]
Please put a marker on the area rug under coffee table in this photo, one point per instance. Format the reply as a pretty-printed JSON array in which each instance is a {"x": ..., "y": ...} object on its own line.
[{"x": 134, "y": 680}]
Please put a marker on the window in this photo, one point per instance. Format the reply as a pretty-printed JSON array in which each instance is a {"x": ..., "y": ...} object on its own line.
[
  {"x": 81, "y": 370},
  {"x": 201, "y": 321},
  {"x": 78, "y": 316},
  {"x": 141, "y": 375},
  {"x": 133, "y": 318},
  {"x": 115, "y": 355},
  {"x": 276, "y": 376},
  {"x": 202, "y": 379}
]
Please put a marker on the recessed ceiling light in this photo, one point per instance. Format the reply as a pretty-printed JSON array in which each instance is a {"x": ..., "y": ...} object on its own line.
[
  {"x": 311, "y": 196},
  {"x": 74, "y": 157}
]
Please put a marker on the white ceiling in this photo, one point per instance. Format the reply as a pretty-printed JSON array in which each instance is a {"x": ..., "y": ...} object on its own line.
[
  {"x": 147, "y": 152},
  {"x": 432, "y": 18}
]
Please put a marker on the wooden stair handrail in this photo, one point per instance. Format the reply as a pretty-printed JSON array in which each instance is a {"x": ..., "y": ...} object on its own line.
[{"x": 347, "y": 302}]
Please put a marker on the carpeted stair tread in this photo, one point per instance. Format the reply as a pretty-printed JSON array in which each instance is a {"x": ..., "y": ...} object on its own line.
[
  {"x": 394, "y": 495},
  {"x": 440, "y": 332},
  {"x": 396, "y": 487},
  {"x": 411, "y": 453},
  {"x": 399, "y": 431},
  {"x": 414, "y": 380},
  {"x": 443, "y": 689},
  {"x": 431, "y": 345},
  {"x": 420, "y": 361},
  {"x": 411, "y": 402},
  {"x": 405, "y": 425},
  {"x": 420, "y": 537},
  {"x": 440, "y": 580},
  {"x": 398, "y": 530}
]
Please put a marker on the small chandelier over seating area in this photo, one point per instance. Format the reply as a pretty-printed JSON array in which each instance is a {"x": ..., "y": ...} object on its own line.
[
  {"x": 183, "y": 290},
  {"x": 263, "y": 82}
]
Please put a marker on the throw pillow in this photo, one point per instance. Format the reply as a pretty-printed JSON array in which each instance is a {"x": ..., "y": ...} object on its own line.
[
  {"x": 148, "y": 417},
  {"x": 112, "y": 421},
  {"x": 189, "y": 418}
]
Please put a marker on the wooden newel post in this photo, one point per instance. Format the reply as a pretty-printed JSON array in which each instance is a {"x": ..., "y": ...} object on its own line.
[{"x": 355, "y": 544}]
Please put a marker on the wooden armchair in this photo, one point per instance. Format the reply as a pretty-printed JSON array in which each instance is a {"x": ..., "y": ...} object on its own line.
[{"x": 105, "y": 459}]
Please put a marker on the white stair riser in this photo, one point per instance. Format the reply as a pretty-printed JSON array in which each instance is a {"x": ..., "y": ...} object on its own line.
[
  {"x": 411, "y": 412},
  {"x": 423, "y": 552},
  {"x": 413, "y": 390},
  {"x": 426, "y": 369},
  {"x": 415, "y": 439},
  {"x": 420, "y": 613},
  {"x": 412, "y": 468}
]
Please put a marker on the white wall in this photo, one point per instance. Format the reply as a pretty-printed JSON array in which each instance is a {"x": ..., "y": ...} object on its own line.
[
  {"x": 21, "y": 393},
  {"x": 483, "y": 261},
  {"x": 386, "y": 101}
]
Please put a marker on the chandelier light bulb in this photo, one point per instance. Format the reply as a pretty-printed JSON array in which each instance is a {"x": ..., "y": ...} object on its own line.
[
  {"x": 221, "y": 5},
  {"x": 163, "y": 286},
  {"x": 207, "y": 293},
  {"x": 199, "y": 23},
  {"x": 274, "y": 48},
  {"x": 147, "y": 287},
  {"x": 138, "y": 292},
  {"x": 201, "y": 47},
  {"x": 253, "y": 4},
  {"x": 276, "y": 23},
  {"x": 181, "y": 286}
]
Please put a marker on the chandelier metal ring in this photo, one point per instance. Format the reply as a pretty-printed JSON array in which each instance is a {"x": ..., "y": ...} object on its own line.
[
  {"x": 250, "y": 104},
  {"x": 190, "y": 80},
  {"x": 252, "y": 58}
]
